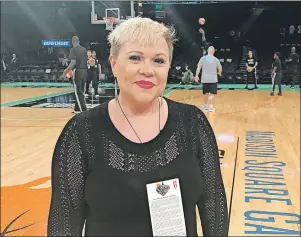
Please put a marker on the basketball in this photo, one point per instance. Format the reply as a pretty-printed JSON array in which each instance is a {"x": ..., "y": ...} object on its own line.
[
  {"x": 91, "y": 61},
  {"x": 202, "y": 21},
  {"x": 249, "y": 69}
]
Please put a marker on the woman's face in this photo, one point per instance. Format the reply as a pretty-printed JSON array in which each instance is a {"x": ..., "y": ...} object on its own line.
[{"x": 142, "y": 72}]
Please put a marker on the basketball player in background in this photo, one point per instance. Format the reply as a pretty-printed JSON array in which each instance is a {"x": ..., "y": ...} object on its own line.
[
  {"x": 276, "y": 74},
  {"x": 293, "y": 61},
  {"x": 98, "y": 65},
  {"x": 78, "y": 57},
  {"x": 92, "y": 64},
  {"x": 89, "y": 55},
  {"x": 211, "y": 67},
  {"x": 251, "y": 70}
]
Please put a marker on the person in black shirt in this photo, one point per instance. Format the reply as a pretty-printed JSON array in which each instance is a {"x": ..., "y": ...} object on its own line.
[
  {"x": 98, "y": 64},
  {"x": 93, "y": 71},
  {"x": 276, "y": 74},
  {"x": 78, "y": 56},
  {"x": 293, "y": 61},
  {"x": 251, "y": 69},
  {"x": 88, "y": 79}
]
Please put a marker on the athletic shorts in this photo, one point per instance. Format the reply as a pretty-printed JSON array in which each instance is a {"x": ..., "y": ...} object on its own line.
[{"x": 210, "y": 88}]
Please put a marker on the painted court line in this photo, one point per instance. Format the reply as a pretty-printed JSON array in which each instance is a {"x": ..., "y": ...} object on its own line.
[
  {"x": 233, "y": 182},
  {"x": 23, "y": 101}
]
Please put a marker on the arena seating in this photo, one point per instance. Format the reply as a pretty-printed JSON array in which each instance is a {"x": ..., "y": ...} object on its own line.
[
  {"x": 47, "y": 71},
  {"x": 233, "y": 69}
]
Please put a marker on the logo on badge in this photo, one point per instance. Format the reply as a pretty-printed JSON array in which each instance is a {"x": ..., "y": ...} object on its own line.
[
  {"x": 175, "y": 185},
  {"x": 162, "y": 189}
]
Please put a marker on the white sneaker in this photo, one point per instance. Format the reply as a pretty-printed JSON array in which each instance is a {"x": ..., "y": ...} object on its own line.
[
  {"x": 86, "y": 95},
  {"x": 205, "y": 107},
  {"x": 97, "y": 96},
  {"x": 211, "y": 109}
]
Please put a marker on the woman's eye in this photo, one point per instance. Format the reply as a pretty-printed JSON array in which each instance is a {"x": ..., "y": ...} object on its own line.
[
  {"x": 159, "y": 60},
  {"x": 135, "y": 58}
]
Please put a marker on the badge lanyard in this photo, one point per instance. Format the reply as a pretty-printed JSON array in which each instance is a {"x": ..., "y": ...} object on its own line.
[
  {"x": 163, "y": 190},
  {"x": 160, "y": 105}
]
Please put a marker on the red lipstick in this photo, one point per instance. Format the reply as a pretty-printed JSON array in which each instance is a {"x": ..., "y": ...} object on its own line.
[{"x": 145, "y": 84}]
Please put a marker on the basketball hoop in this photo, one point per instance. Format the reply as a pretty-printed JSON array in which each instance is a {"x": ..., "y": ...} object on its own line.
[{"x": 109, "y": 22}]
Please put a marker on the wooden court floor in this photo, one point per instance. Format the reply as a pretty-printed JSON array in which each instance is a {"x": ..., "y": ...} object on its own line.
[{"x": 259, "y": 137}]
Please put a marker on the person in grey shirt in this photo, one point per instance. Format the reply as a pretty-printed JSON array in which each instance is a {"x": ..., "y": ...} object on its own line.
[{"x": 211, "y": 67}]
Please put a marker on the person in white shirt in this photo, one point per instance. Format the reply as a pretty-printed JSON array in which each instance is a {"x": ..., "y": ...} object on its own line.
[{"x": 211, "y": 67}]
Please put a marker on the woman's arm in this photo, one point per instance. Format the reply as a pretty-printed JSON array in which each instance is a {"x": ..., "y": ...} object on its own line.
[
  {"x": 213, "y": 203},
  {"x": 67, "y": 209}
]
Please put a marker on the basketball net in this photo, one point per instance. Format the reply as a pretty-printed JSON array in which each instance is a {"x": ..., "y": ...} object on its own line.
[{"x": 109, "y": 22}]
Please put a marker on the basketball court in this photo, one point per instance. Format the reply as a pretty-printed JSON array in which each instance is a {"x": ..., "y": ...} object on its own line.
[{"x": 262, "y": 178}]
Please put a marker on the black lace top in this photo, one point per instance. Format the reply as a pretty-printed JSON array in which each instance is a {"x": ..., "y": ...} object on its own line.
[{"x": 99, "y": 177}]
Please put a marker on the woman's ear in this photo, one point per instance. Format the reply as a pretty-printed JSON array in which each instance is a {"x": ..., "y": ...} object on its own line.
[{"x": 112, "y": 61}]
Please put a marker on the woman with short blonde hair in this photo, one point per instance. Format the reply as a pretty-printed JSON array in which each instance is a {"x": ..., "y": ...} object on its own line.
[{"x": 105, "y": 158}]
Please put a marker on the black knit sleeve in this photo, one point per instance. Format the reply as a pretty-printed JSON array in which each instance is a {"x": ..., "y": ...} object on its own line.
[
  {"x": 212, "y": 204},
  {"x": 67, "y": 209}
]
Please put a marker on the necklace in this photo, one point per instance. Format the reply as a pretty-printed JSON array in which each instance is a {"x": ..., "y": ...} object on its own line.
[{"x": 130, "y": 122}]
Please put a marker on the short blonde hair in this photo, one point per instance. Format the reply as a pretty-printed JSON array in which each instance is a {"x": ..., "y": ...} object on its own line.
[{"x": 144, "y": 31}]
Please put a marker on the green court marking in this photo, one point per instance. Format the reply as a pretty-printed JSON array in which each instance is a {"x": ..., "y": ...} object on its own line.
[
  {"x": 168, "y": 90},
  {"x": 111, "y": 85},
  {"x": 35, "y": 84},
  {"x": 22, "y": 101}
]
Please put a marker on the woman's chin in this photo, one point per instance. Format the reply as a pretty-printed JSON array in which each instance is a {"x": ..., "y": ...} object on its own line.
[{"x": 145, "y": 97}]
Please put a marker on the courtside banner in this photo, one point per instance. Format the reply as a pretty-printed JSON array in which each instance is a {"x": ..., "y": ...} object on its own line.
[{"x": 56, "y": 43}]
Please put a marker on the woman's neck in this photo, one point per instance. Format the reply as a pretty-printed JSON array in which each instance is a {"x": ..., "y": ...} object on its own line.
[{"x": 134, "y": 108}]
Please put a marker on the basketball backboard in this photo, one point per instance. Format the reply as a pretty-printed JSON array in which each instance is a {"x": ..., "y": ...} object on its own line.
[{"x": 121, "y": 10}]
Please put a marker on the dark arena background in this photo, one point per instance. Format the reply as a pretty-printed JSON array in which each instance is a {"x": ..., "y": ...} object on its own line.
[{"x": 258, "y": 135}]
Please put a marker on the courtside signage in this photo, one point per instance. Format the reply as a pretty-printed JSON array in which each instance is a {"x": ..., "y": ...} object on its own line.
[{"x": 56, "y": 43}]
